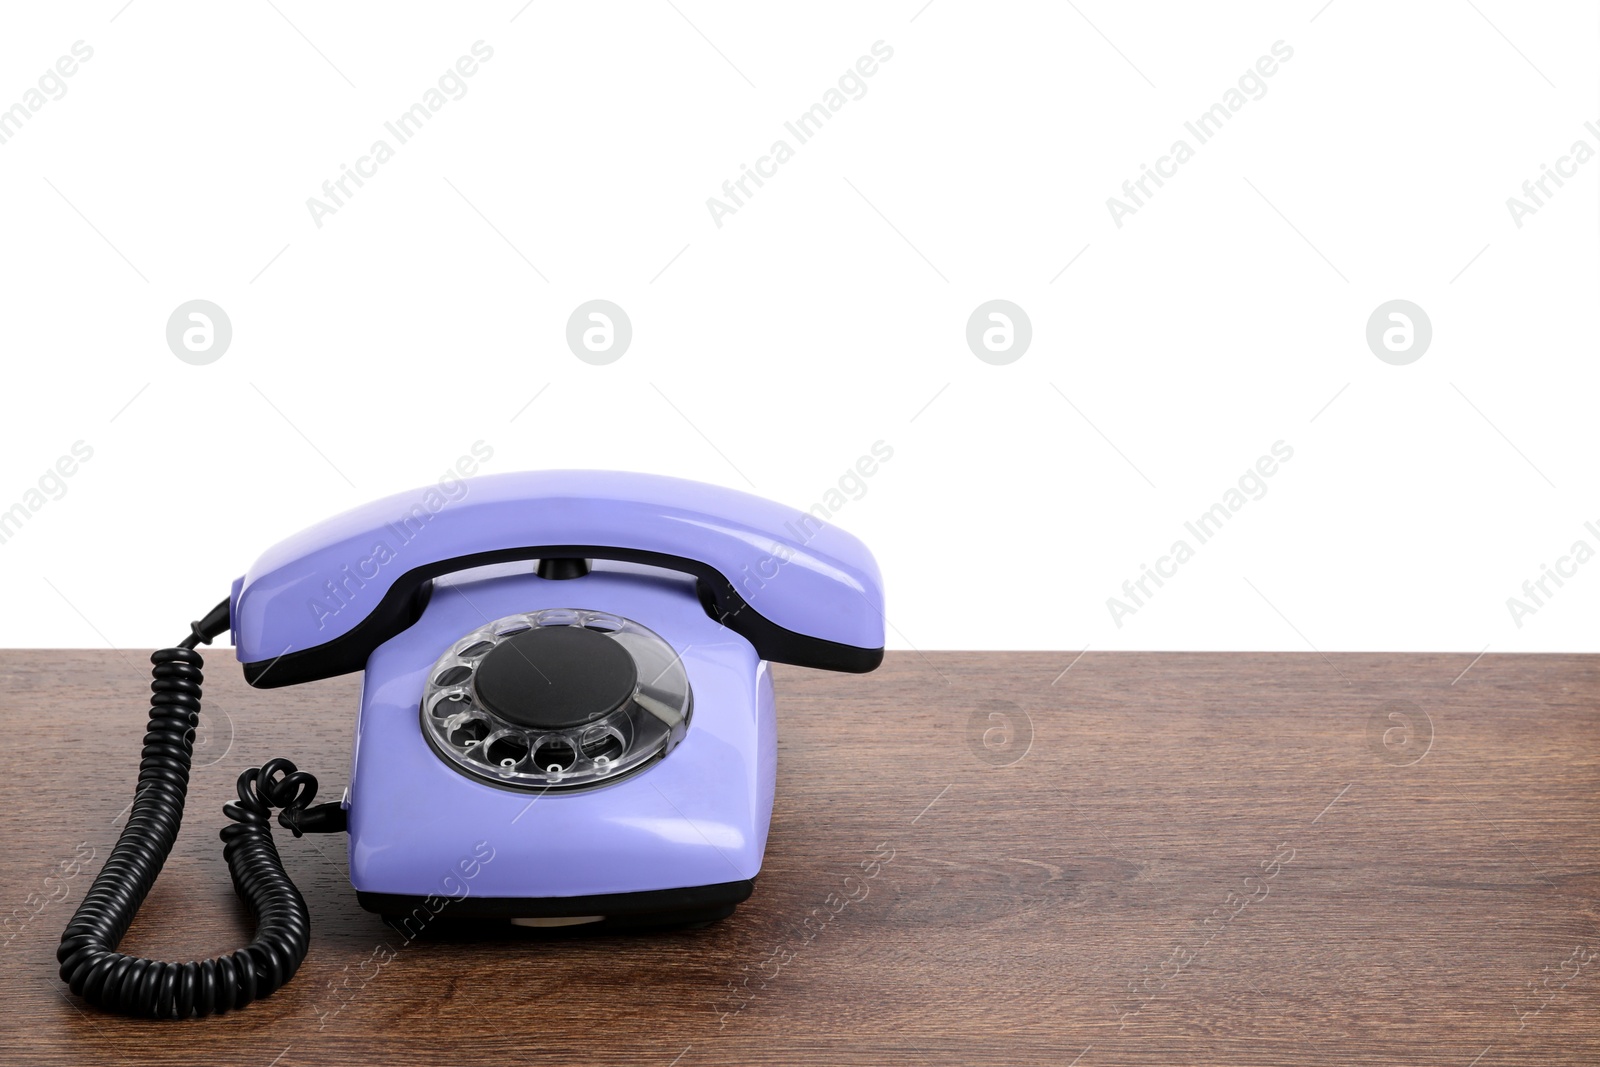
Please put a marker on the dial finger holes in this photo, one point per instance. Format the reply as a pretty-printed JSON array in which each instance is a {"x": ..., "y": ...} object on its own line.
[
  {"x": 469, "y": 733},
  {"x": 449, "y": 704},
  {"x": 602, "y": 746},
  {"x": 504, "y": 751},
  {"x": 514, "y": 624},
  {"x": 489, "y": 722},
  {"x": 453, "y": 675},
  {"x": 554, "y": 755},
  {"x": 559, "y": 617}
]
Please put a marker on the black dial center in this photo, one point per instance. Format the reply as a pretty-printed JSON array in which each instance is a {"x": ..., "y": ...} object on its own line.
[{"x": 555, "y": 677}]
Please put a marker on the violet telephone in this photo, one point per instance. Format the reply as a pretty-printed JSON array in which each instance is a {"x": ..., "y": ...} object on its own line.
[{"x": 566, "y": 716}]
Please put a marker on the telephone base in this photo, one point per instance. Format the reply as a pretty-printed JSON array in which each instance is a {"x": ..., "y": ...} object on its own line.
[{"x": 600, "y": 913}]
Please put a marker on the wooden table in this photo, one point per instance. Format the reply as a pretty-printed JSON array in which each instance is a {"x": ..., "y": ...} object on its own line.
[{"x": 1148, "y": 858}]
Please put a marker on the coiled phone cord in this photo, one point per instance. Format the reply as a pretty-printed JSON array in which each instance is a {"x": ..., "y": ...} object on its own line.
[{"x": 132, "y": 985}]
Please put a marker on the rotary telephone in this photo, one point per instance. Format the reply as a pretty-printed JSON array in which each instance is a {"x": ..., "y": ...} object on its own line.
[{"x": 566, "y": 716}]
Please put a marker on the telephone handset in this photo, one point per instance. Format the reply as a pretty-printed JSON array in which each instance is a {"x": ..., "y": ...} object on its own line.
[
  {"x": 585, "y": 740},
  {"x": 318, "y": 604}
]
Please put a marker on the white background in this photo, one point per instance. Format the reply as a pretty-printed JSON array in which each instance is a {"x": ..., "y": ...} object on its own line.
[{"x": 830, "y": 311}]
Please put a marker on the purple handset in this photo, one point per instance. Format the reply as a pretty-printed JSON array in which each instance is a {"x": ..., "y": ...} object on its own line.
[{"x": 319, "y": 603}]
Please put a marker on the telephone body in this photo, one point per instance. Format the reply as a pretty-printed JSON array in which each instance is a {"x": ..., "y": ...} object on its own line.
[{"x": 566, "y": 714}]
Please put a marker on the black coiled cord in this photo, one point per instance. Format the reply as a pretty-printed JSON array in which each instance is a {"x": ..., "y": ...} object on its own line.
[{"x": 132, "y": 985}]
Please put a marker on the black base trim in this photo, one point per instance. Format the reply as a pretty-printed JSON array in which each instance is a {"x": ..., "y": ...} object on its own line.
[{"x": 701, "y": 903}]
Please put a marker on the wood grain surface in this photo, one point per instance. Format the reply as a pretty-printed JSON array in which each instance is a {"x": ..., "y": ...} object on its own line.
[{"x": 976, "y": 858}]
